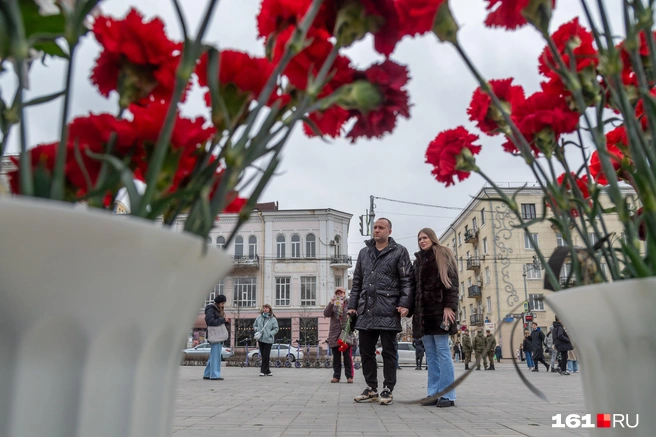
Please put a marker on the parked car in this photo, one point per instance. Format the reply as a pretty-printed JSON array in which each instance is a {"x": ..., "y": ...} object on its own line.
[
  {"x": 202, "y": 351},
  {"x": 406, "y": 353},
  {"x": 294, "y": 353}
]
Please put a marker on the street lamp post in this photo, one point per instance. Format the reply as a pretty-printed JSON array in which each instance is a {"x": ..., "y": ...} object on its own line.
[{"x": 526, "y": 268}]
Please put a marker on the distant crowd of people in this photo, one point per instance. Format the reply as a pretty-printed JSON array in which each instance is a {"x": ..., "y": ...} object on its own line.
[{"x": 556, "y": 344}]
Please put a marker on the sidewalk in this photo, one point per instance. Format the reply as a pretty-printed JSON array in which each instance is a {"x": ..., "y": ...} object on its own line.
[{"x": 302, "y": 402}]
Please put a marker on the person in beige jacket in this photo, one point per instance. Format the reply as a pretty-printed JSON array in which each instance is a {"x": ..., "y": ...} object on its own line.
[
  {"x": 572, "y": 361},
  {"x": 336, "y": 310}
]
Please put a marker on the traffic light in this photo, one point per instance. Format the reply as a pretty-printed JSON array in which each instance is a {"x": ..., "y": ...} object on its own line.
[
  {"x": 525, "y": 325},
  {"x": 528, "y": 317}
]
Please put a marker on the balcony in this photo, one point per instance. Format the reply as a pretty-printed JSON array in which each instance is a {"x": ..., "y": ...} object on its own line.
[
  {"x": 474, "y": 263},
  {"x": 474, "y": 291},
  {"x": 477, "y": 319},
  {"x": 471, "y": 236},
  {"x": 341, "y": 261},
  {"x": 246, "y": 262}
]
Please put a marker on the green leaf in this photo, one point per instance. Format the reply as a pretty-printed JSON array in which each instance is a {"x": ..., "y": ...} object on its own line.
[
  {"x": 43, "y": 99},
  {"x": 34, "y": 23}
]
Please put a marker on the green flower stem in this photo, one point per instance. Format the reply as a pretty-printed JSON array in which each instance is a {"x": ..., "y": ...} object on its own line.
[
  {"x": 522, "y": 144},
  {"x": 181, "y": 20},
  {"x": 185, "y": 69},
  {"x": 58, "y": 175},
  {"x": 512, "y": 205}
]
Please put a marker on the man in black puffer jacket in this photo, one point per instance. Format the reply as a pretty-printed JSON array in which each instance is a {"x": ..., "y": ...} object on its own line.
[
  {"x": 562, "y": 343},
  {"x": 382, "y": 293}
]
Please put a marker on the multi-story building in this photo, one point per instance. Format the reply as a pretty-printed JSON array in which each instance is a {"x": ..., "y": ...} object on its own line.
[
  {"x": 497, "y": 264},
  {"x": 6, "y": 165}
]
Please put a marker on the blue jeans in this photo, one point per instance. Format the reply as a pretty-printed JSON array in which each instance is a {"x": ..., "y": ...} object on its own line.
[
  {"x": 529, "y": 360},
  {"x": 440, "y": 366},
  {"x": 213, "y": 368},
  {"x": 572, "y": 366}
]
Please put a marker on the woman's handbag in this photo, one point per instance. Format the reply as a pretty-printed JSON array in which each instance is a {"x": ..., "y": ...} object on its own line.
[
  {"x": 217, "y": 334},
  {"x": 347, "y": 334},
  {"x": 258, "y": 334}
]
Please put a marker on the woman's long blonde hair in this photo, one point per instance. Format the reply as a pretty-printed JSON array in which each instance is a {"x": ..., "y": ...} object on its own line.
[{"x": 443, "y": 256}]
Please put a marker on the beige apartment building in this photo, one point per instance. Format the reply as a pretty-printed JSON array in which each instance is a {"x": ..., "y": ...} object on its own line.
[{"x": 498, "y": 267}]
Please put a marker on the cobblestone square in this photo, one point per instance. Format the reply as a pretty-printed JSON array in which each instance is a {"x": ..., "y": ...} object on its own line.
[{"x": 303, "y": 402}]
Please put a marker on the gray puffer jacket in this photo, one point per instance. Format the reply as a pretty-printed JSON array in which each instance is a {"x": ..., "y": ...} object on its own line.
[{"x": 380, "y": 285}]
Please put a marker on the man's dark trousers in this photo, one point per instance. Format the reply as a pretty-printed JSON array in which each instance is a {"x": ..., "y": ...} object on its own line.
[{"x": 368, "y": 340}]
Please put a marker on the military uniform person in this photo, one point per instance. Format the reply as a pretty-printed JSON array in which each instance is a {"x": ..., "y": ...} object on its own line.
[
  {"x": 479, "y": 347},
  {"x": 490, "y": 344},
  {"x": 465, "y": 342}
]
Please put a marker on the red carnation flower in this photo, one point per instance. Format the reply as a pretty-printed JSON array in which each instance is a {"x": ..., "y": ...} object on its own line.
[
  {"x": 597, "y": 172},
  {"x": 487, "y": 117},
  {"x": 570, "y": 36},
  {"x": 507, "y": 13},
  {"x": 236, "y": 205},
  {"x": 276, "y": 15},
  {"x": 309, "y": 60},
  {"x": 247, "y": 73},
  {"x": 329, "y": 122},
  {"x": 389, "y": 34},
  {"x": 640, "y": 111},
  {"x": 140, "y": 53},
  {"x": 42, "y": 158},
  {"x": 389, "y": 78},
  {"x": 443, "y": 153},
  {"x": 643, "y": 51},
  {"x": 583, "y": 185},
  {"x": 417, "y": 16}
]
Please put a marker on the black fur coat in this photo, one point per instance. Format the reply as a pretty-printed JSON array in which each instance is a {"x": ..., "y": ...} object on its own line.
[{"x": 432, "y": 296}]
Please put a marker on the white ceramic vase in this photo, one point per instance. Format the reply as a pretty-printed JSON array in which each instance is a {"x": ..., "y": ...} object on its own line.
[
  {"x": 95, "y": 310},
  {"x": 613, "y": 328}
]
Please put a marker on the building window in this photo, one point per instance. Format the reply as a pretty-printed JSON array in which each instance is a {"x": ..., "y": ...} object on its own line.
[
  {"x": 471, "y": 309},
  {"x": 296, "y": 246},
  {"x": 308, "y": 330},
  {"x": 564, "y": 271},
  {"x": 338, "y": 281},
  {"x": 244, "y": 292},
  {"x": 280, "y": 246},
  {"x": 462, "y": 287},
  {"x": 474, "y": 225},
  {"x": 485, "y": 246},
  {"x": 487, "y": 275},
  {"x": 338, "y": 248},
  {"x": 482, "y": 216},
  {"x": 220, "y": 243},
  {"x": 239, "y": 246},
  {"x": 527, "y": 241},
  {"x": 216, "y": 291},
  {"x": 308, "y": 290},
  {"x": 592, "y": 237},
  {"x": 459, "y": 239},
  {"x": 453, "y": 243},
  {"x": 528, "y": 211},
  {"x": 469, "y": 282},
  {"x": 310, "y": 246},
  {"x": 252, "y": 246},
  {"x": 283, "y": 288},
  {"x": 559, "y": 239},
  {"x": 488, "y": 302},
  {"x": 461, "y": 264},
  {"x": 532, "y": 272},
  {"x": 535, "y": 302}
]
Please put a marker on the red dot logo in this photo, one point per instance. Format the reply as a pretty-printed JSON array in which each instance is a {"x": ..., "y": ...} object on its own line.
[{"x": 603, "y": 420}]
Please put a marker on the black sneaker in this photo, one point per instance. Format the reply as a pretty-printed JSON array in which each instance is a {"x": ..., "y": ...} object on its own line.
[
  {"x": 368, "y": 395},
  {"x": 428, "y": 401},
  {"x": 444, "y": 403},
  {"x": 565, "y": 373},
  {"x": 385, "y": 397}
]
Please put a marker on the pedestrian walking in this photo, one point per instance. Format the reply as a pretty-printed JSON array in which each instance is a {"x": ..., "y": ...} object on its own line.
[
  {"x": 528, "y": 349},
  {"x": 215, "y": 316},
  {"x": 497, "y": 353},
  {"x": 266, "y": 327},
  {"x": 490, "y": 345},
  {"x": 537, "y": 340},
  {"x": 562, "y": 344},
  {"x": 479, "y": 347},
  {"x": 434, "y": 317},
  {"x": 466, "y": 346},
  {"x": 572, "y": 361},
  {"x": 336, "y": 310},
  {"x": 382, "y": 293},
  {"x": 553, "y": 353},
  {"x": 457, "y": 351},
  {"x": 419, "y": 352}
]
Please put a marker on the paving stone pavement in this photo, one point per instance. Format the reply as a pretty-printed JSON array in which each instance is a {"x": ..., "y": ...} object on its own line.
[{"x": 303, "y": 402}]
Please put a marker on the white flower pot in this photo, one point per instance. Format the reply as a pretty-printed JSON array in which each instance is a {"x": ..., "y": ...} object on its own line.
[
  {"x": 613, "y": 328},
  {"x": 95, "y": 310}
]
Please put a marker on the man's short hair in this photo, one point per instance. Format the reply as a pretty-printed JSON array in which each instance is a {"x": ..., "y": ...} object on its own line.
[
  {"x": 389, "y": 222},
  {"x": 487, "y": 330},
  {"x": 534, "y": 323}
]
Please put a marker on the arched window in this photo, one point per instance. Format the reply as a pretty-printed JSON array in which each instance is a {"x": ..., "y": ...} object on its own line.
[
  {"x": 239, "y": 246},
  {"x": 310, "y": 246},
  {"x": 252, "y": 246},
  {"x": 280, "y": 246},
  {"x": 338, "y": 249},
  {"x": 220, "y": 243},
  {"x": 296, "y": 246}
]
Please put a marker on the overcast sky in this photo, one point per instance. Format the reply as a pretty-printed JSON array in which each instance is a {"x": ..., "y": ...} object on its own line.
[{"x": 339, "y": 175}]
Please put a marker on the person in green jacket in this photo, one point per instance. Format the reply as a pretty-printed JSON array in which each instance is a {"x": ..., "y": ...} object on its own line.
[
  {"x": 267, "y": 325},
  {"x": 465, "y": 341},
  {"x": 490, "y": 344},
  {"x": 479, "y": 347}
]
